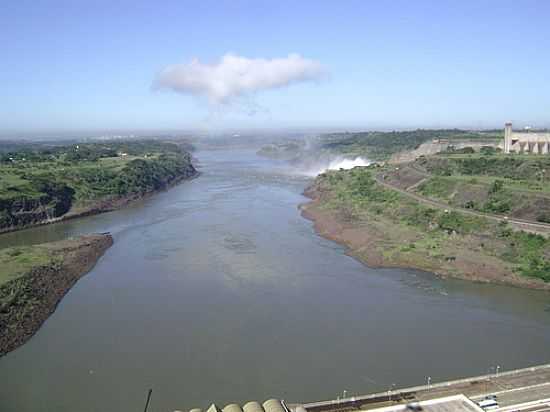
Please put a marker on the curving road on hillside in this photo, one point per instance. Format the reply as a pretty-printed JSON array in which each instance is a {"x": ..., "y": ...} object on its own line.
[{"x": 526, "y": 225}]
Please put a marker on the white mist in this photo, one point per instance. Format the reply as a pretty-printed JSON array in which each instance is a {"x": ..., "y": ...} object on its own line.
[{"x": 336, "y": 164}]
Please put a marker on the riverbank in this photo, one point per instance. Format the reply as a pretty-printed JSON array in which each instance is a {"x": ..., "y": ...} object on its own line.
[
  {"x": 389, "y": 231},
  {"x": 110, "y": 204},
  {"x": 34, "y": 279},
  {"x": 50, "y": 185}
]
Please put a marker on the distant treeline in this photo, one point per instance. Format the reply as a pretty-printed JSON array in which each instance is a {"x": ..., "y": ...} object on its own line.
[
  {"x": 41, "y": 152},
  {"x": 381, "y": 145}
]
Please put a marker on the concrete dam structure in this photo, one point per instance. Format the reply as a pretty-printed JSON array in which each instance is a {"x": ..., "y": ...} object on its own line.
[
  {"x": 271, "y": 405},
  {"x": 520, "y": 390},
  {"x": 526, "y": 142}
]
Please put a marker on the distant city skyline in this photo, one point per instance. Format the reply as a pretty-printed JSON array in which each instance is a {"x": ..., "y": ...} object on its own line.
[{"x": 210, "y": 66}]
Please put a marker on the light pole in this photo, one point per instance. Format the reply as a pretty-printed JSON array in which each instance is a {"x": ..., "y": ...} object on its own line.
[
  {"x": 488, "y": 380},
  {"x": 390, "y": 390}
]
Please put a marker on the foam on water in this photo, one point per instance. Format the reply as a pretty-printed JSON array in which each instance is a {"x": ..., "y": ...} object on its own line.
[{"x": 337, "y": 164}]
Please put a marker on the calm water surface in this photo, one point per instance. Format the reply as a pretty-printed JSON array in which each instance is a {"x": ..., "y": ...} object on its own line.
[{"x": 217, "y": 290}]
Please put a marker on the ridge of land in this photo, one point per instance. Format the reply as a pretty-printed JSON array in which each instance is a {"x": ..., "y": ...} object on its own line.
[
  {"x": 44, "y": 185},
  {"x": 397, "y": 216}
]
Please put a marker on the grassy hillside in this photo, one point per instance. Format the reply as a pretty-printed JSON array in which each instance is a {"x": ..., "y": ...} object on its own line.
[
  {"x": 414, "y": 234},
  {"x": 529, "y": 168},
  {"x": 41, "y": 184},
  {"x": 517, "y": 186},
  {"x": 15, "y": 262}
]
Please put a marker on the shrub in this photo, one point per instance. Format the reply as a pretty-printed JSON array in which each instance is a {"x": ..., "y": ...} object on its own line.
[
  {"x": 496, "y": 186},
  {"x": 488, "y": 150},
  {"x": 497, "y": 205}
]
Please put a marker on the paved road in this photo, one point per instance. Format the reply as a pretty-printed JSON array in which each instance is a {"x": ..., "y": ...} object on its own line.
[
  {"x": 539, "y": 405},
  {"x": 523, "y": 388},
  {"x": 510, "y": 399},
  {"x": 526, "y": 225}
]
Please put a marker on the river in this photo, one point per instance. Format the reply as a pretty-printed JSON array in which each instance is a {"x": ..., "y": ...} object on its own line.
[{"x": 218, "y": 290}]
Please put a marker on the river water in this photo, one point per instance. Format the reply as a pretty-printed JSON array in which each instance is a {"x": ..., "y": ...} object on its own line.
[{"x": 218, "y": 290}]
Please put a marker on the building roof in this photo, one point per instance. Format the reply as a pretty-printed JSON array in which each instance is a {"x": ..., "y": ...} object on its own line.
[{"x": 271, "y": 405}]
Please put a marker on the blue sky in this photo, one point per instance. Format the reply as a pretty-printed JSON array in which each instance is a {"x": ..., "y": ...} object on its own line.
[{"x": 391, "y": 64}]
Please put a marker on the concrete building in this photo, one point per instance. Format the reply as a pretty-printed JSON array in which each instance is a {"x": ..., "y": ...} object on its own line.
[{"x": 526, "y": 142}]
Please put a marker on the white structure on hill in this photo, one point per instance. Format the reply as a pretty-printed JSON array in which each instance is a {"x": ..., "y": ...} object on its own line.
[{"x": 527, "y": 142}]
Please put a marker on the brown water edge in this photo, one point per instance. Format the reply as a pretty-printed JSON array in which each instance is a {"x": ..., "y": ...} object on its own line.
[
  {"x": 363, "y": 239},
  {"x": 29, "y": 300},
  {"x": 104, "y": 205}
]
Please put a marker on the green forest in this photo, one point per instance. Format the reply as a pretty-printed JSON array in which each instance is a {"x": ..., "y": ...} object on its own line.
[{"x": 38, "y": 183}]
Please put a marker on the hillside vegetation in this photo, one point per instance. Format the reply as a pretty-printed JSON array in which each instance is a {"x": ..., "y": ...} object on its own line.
[
  {"x": 41, "y": 184},
  {"x": 409, "y": 233},
  {"x": 515, "y": 186}
]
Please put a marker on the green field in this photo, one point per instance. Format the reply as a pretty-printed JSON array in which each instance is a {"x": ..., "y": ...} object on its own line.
[{"x": 17, "y": 261}]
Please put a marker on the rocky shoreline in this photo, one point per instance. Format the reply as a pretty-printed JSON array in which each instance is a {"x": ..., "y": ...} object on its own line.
[
  {"x": 365, "y": 241},
  {"x": 29, "y": 299}
]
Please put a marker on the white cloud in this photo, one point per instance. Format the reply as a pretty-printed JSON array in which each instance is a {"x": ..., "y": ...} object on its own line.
[{"x": 235, "y": 76}]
